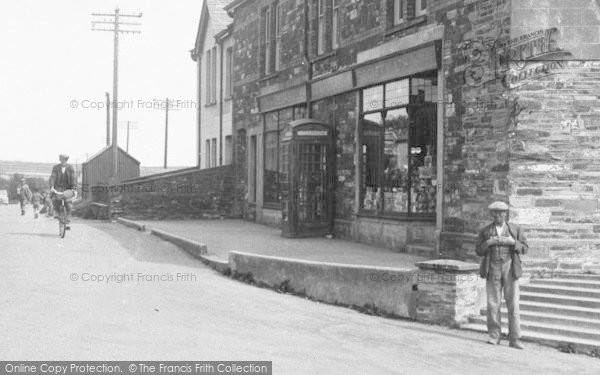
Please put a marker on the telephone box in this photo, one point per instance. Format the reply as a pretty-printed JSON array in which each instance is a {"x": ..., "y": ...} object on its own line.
[{"x": 307, "y": 186}]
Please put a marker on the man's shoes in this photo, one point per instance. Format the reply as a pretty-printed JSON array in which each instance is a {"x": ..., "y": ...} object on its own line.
[
  {"x": 36, "y": 216},
  {"x": 493, "y": 341},
  {"x": 67, "y": 227},
  {"x": 516, "y": 344},
  {"x": 22, "y": 213}
]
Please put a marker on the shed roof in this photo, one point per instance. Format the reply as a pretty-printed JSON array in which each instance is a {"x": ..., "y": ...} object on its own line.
[{"x": 107, "y": 148}]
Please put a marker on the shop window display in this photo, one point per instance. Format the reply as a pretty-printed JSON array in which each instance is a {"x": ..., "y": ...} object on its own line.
[{"x": 398, "y": 139}]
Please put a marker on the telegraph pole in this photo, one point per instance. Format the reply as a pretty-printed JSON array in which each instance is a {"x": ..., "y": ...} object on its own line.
[
  {"x": 107, "y": 119},
  {"x": 113, "y": 19},
  {"x": 128, "y": 125}
]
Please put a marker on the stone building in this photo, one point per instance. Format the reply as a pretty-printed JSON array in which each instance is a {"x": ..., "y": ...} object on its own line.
[
  {"x": 437, "y": 108},
  {"x": 212, "y": 53}
]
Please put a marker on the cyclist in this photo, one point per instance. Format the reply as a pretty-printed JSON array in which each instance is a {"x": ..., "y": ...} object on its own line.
[{"x": 63, "y": 178}]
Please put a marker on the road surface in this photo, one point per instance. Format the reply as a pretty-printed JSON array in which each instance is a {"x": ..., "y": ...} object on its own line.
[{"x": 107, "y": 292}]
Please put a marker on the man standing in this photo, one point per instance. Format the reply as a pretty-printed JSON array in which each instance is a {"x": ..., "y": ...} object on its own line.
[
  {"x": 61, "y": 179},
  {"x": 24, "y": 194},
  {"x": 500, "y": 244}
]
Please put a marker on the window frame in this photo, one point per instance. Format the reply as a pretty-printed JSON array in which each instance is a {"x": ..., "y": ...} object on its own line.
[
  {"x": 335, "y": 24},
  {"x": 298, "y": 112},
  {"x": 267, "y": 40},
  {"x": 321, "y": 27},
  {"x": 208, "y": 69},
  {"x": 228, "y": 72},
  {"x": 278, "y": 27},
  {"x": 214, "y": 75},
  {"x": 398, "y": 12},
  {"x": 419, "y": 10},
  {"x": 410, "y": 106}
]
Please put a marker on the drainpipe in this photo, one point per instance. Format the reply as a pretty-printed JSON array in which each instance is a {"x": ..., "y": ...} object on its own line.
[{"x": 197, "y": 57}]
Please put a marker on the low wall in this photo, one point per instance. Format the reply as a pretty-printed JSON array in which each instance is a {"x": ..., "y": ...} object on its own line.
[
  {"x": 187, "y": 193},
  {"x": 381, "y": 290}
]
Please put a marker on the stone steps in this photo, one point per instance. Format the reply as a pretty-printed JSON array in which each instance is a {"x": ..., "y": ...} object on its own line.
[
  {"x": 562, "y": 290},
  {"x": 559, "y": 318},
  {"x": 544, "y": 338},
  {"x": 421, "y": 249},
  {"x": 558, "y": 311},
  {"x": 568, "y": 331},
  {"x": 561, "y": 299},
  {"x": 571, "y": 282}
]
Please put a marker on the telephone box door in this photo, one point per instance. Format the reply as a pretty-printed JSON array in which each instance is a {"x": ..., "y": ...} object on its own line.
[{"x": 309, "y": 197}]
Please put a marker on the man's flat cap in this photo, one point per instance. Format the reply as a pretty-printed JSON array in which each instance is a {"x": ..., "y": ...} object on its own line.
[{"x": 498, "y": 206}]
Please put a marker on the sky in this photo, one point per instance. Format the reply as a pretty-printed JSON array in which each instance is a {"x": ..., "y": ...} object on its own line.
[{"x": 54, "y": 72}]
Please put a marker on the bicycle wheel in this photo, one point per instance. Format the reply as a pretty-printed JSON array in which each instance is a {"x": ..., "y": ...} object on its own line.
[{"x": 62, "y": 218}]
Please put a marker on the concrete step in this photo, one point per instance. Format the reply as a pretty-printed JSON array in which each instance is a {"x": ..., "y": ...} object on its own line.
[
  {"x": 559, "y": 309},
  {"x": 543, "y": 338},
  {"x": 548, "y": 328},
  {"x": 561, "y": 290},
  {"x": 593, "y": 303},
  {"x": 572, "y": 283},
  {"x": 558, "y": 319},
  {"x": 579, "y": 276}
]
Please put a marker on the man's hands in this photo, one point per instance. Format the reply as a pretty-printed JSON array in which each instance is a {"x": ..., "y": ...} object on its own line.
[
  {"x": 52, "y": 190},
  {"x": 500, "y": 240}
]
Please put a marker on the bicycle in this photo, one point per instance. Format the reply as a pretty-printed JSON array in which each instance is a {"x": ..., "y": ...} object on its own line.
[{"x": 62, "y": 210}]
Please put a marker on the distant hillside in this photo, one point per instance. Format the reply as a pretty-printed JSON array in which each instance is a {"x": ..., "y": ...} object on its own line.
[
  {"x": 43, "y": 170},
  {"x": 28, "y": 168}
]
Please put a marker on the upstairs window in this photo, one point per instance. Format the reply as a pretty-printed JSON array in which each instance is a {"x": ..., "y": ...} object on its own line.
[
  {"x": 321, "y": 26},
  {"x": 208, "y": 65},
  {"x": 420, "y": 7},
  {"x": 279, "y": 18},
  {"x": 213, "y": 85},
  {"x": 228, "y": 71},
  {"x": 398, "y": 12},
  {"x": 267, "y": 40},
  {"x": 335, "y": 24}
]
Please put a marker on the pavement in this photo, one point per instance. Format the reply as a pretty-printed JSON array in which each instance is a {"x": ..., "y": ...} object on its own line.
[
  {"x": 223, "y": 236},
  {"x": 54, "y": 307}
]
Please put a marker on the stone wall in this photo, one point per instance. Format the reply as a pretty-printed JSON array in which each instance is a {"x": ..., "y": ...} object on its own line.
[
  {"x": 478, "y": 115},
  {"x": 555, "y": 162},
  {"x": 185, "y": 194}
]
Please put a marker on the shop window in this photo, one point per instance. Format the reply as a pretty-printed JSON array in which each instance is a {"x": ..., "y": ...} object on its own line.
[
  {"x": 398, "y": 147},
  {"x": 276, "y": 125}
]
